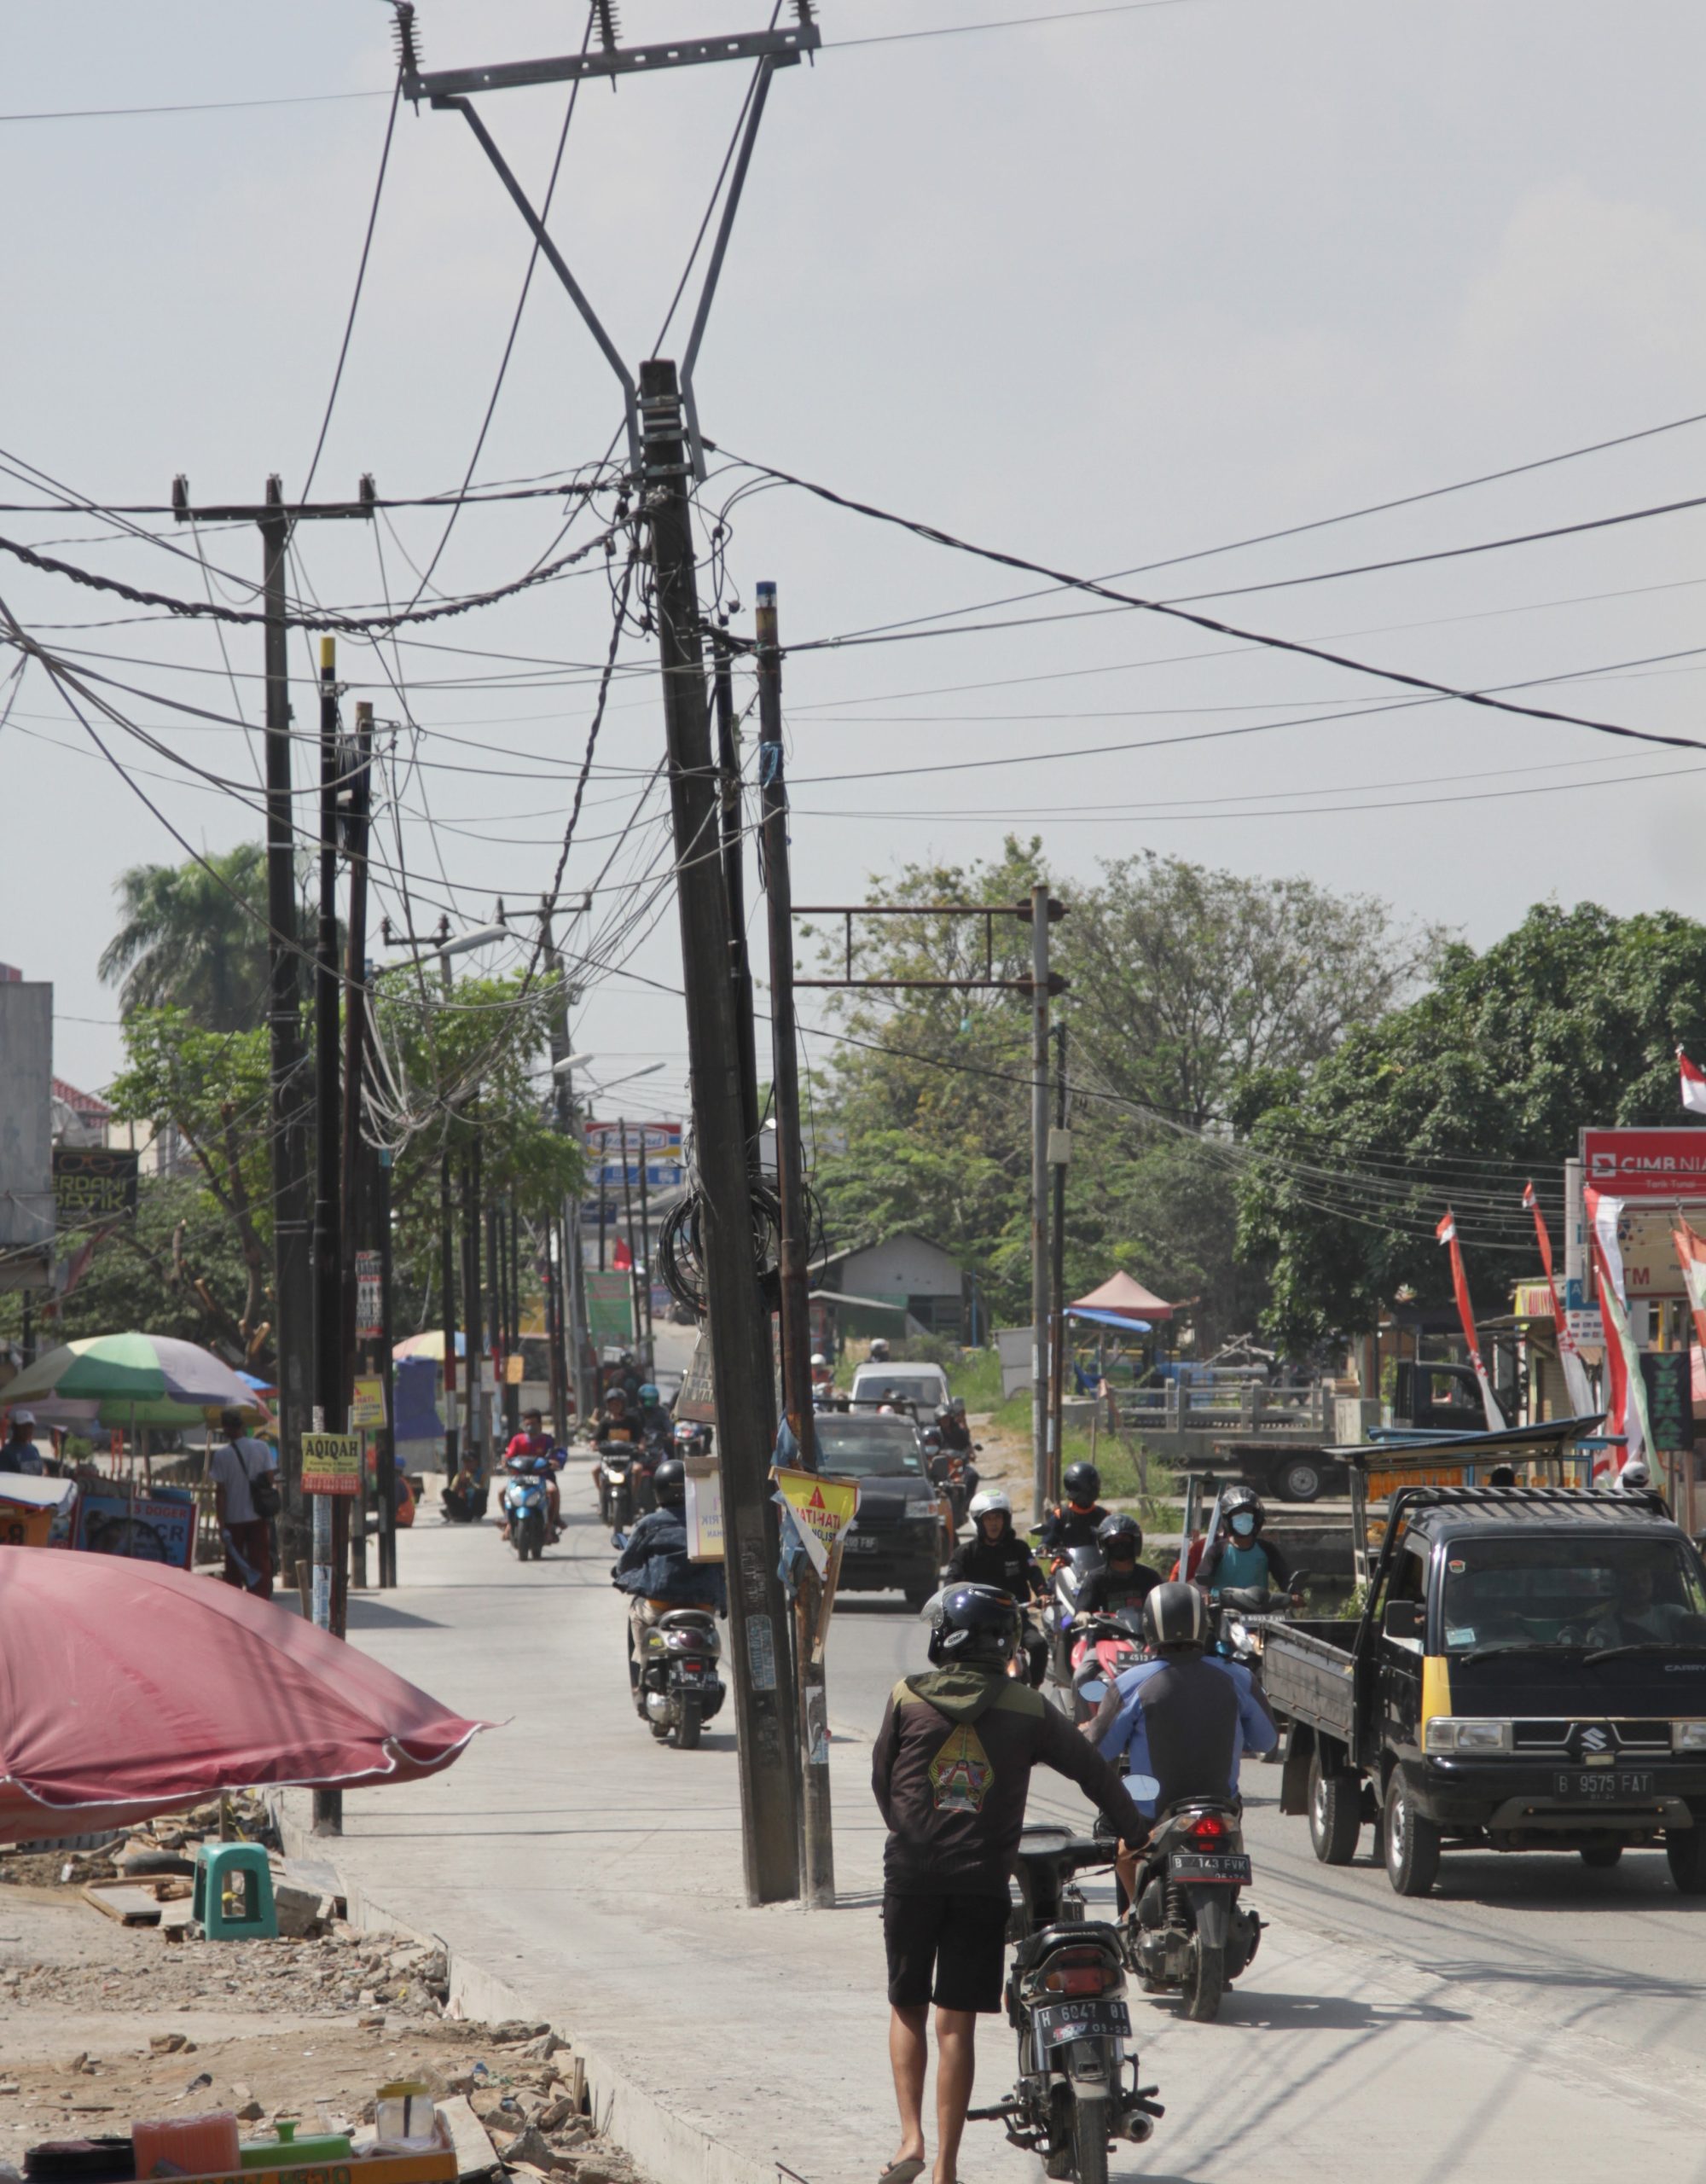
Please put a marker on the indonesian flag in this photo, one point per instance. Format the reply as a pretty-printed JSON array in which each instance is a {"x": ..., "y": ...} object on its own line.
[
  {"x": 1691, "y": 1255},
  {"x": 1447, "y": 1233},
  {"x": 1626, "y": 1413},
  {"x": 1575, "y": 1381},
  {"x": 621, "y": 1258},
  {"x": 1693, "y": 1085}
]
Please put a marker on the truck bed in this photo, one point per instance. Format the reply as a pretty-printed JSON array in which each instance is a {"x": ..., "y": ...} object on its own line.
[{"x": 1307, "y": 1673}]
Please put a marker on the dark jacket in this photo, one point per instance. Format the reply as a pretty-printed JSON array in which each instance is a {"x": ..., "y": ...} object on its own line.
[
  {"x": 1064, "y": 1526},
  {"x": 1105, "y": 1591},
  {"x": 1006, "y": 1563},
  {"x": 951, "y": 1772},
  {"x": 654, "y": 1565},
  {"x": 956, "y": 1434}
]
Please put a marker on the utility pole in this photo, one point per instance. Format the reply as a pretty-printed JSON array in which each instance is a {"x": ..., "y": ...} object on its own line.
[
  {"x": 734, "y": 878},
  {"x": 628, "y": 1223},
  {"x": 352, "y": 795},
  {"x": 569, "y": 1357},
  {"x": 293, "y": 1265},
  {"x": 1038, "y": 1195},
  {"x": 328, "y": 1266},
  {"x": 816, "y": 1817},
  {"x": 644, "y": 1263},
  {"x": 1059, "y": 1154},
  {"x": 739, "y": 1325},
  {"x": 387, "y": 1479}
]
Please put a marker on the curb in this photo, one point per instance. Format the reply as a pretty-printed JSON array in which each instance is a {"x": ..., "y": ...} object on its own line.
[{"x": 669, "y": 2149}]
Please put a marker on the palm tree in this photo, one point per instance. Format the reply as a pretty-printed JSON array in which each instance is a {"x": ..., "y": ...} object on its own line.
[{"x": 194, "y": 936}]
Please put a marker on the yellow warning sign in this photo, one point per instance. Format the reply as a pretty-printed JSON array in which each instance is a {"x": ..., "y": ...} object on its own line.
[{"x": 824, "y": 1509}]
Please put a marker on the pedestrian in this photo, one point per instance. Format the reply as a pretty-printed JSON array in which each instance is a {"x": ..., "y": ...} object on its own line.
[
  {"x": 20, "y": 1452},
  {"x": 951, "y": 1772},
  {"x": 246, "y": 1499}
]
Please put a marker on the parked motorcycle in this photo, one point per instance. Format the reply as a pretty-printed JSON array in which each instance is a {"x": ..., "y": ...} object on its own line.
[
  {"x": 679, "y": 1688},
  {"x": 1187, "y": 1932},
  {"x": 613, "y": 1475},
  {"x": 1064, "y": 2000},
  {"x": 527, "y": 1504}
]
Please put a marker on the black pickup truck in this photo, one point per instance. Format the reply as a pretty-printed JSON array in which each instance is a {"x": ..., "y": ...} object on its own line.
[{"x": 1528, "y": 1673}]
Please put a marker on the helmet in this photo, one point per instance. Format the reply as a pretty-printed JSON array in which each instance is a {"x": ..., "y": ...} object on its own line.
[
  {"x": 669, "y": 1484},
  {"x": 818, "y": 1358},
  {"x": 1121, "y": 1534},
  {"x": 1239, "y": 1501},
  {"x": 1175, "y": 1615},
  {"x": 957, "y": 1405},
  {"x": 617, "y": 1395},
  {"x": 1083, "y": 1482},
  {"x": 1634, "y": 1474},
  {"x": 990, "y": 1503},
  {"x": 974, "y": 1622},
  {"x": 880, "y": 1351},
  {"x": 649, "y": 1392}
]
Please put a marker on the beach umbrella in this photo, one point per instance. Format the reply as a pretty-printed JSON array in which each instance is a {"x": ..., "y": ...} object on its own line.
[
  {"x": 130, "y": 1380},
  {"x": 128, "y": 1688}
]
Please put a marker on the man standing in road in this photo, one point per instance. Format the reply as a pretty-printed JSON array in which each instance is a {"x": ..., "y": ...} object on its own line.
[
  {"x": 237, "y": 1468},
  {"x": 951, "y": 1772}
]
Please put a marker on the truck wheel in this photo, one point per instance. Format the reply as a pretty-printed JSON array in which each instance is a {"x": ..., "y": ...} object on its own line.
[
  {"x": 1300, "y": 1478},
  {"x": 1685, "y": 1851},
  {"x": 1412, "y": 1843},
  {"x": 1600, "y": 1857},
  {"x": 1335, "y": 1812}
]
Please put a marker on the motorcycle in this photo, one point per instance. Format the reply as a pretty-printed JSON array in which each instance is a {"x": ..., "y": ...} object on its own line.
[
  {"x": 679, "y": 1688},
  {"x": 527, "y": 1504},
  {"x": 1185, "y": 1932},
  {"x": 613, "y": 1474},
  {"x": 1064, "y": 2000},
  {"x": 953, "y": 1471},
  {"x": 1067, "y": 1575},
  {"x": 1230, "y": 1611},
  {"x": 1103, "y": 1648}
]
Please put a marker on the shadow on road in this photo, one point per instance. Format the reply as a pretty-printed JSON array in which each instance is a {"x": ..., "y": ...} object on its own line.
[
  {"x": 373, "y": 1615},
  {"x": 1322, "y": 2013}
]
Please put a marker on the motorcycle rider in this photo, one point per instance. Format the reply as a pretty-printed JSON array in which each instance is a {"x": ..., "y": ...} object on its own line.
[
  {"x": 951, "y": 1773},
  {"x": 1123, "y": 1581},
  {"x": 822, "y": 1377},
  {"x": 530, "y": 1443},
  {"x": 1186, "y": 1717},
  {"x": 950, "y": 1424},
  {"x": 654, "y": 1421},
  {"x": 654, "y": 1568},
  {"x": 1238, "y": 1555},
  {"x": 611, "y": 1421},
  {"x": 879, "y": 1352},
  {"x": 996, "y": 1556},
  {"x": 1076, "y": 1521}
]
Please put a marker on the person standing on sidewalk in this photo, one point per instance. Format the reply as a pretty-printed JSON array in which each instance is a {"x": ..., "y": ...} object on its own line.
[
  {"x": 238, "y": 1467},
  {"x": 951, "y": 1772}
]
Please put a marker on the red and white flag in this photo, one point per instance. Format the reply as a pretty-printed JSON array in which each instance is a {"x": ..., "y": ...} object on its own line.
[
  {"x": 1626, "y": 1412},
  {"x": 1447, "y": 1233},
  {"x": 1575, "y": 1381},
  {"x": 1693, "y": 1085},
  {"x": 1690, "y": 1256},
  {"x": 622, "y": 1257}
]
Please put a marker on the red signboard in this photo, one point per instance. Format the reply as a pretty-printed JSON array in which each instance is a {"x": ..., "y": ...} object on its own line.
[{"x": 1652, "y": 1164}]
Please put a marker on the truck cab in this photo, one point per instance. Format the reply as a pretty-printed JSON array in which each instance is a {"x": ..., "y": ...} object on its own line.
[{"x": 1528, "y": 1673}]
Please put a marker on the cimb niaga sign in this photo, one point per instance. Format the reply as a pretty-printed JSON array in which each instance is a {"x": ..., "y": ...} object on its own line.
[{"x": 1661, "y": 1164}]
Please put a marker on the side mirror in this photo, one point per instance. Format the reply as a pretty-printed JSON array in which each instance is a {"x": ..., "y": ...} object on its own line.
[{"x": 1404, "y": 1619}]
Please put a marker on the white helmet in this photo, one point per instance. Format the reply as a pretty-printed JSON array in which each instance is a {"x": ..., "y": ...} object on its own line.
[
  {"x": 990, "y": 1503},
  {"x": 1634, "y": 1476},
  {"x": 818, "y": 1358}
]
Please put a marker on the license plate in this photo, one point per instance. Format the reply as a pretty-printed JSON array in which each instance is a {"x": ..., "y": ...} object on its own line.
[
  {"x": 1215, "y": 1865},
  {"x": 1603, "y": 1787},
  {"x": 1057, "y": 2023},
  {"x": 860, "y": 1543}
]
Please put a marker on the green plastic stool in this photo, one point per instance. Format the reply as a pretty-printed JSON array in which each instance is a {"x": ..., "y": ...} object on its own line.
[{"x": 244, "y": 1868}]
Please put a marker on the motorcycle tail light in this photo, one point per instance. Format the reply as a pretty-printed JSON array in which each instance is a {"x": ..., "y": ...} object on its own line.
[
  {"x": 1207, "y": 1827},
  {"x": 1080, "y": 1972}
]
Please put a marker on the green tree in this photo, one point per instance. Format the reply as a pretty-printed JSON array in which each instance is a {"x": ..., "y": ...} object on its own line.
[
  {"x": 194, "y": 937},
  {"x": 1572, "y": 1018}
]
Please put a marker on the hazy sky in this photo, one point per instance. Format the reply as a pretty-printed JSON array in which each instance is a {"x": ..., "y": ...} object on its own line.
[{"x": 1105, "y": 292}]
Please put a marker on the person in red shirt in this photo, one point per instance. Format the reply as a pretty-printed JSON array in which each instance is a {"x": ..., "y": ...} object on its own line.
[{"x": 533, "y": 1441}]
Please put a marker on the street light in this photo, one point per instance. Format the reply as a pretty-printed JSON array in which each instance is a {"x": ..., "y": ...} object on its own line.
[{"x": 650, "y": 1069}]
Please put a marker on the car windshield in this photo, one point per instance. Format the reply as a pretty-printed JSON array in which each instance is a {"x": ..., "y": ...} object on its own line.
[
  {"x": 910, "y": 1387},
  {"x": 867, "y": 1448},
  {"x": 1591, "y": 1589}
]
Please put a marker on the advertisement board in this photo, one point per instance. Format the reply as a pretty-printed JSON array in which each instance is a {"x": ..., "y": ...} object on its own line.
[
  {"x": 145, "y": 1527},
  {"x": 331, "y": 1463},
  {"x": 93, "y": 1182},
  {"x": 1664, "y": 1164},
  {"x": 369, "y": 1296}
]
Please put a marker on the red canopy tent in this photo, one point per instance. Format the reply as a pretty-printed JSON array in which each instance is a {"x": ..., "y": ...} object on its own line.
[
  {"x": 1120, "y": 1294},
  {"x": 128, "y": 1688}
]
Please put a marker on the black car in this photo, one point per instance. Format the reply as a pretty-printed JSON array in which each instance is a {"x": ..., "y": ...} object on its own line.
[{"x": 900, "y": 1538}]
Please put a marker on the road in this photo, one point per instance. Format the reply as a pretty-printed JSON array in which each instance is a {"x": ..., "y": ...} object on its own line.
[{"x": 1533, "y": 2020}]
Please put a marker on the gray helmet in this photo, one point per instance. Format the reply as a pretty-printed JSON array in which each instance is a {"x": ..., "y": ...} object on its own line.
[{"x": 1175, "y": 1615}]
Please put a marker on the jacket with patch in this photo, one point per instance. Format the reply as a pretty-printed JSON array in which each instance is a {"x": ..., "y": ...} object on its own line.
[{"x": 951, "y": 1772}]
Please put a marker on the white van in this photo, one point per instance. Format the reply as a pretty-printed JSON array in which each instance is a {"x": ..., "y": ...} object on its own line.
[{"x": 925, "y": 1386}]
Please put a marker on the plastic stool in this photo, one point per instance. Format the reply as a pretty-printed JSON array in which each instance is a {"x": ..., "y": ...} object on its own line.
[{"x": 243, "y": 1867}]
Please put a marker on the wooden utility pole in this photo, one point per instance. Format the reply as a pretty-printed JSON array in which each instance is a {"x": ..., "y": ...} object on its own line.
[
  {"x": 354, "y": 761},
  {"x": 796, "y": 1313},
  {"x": 738, "y": 1328},
  {"x": 331, "y": 1512}
]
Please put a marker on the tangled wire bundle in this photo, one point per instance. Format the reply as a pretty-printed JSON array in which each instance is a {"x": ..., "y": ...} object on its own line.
[{"x": 680, "y": 1246}]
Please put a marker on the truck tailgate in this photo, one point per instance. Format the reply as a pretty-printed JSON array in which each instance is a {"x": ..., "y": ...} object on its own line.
[{"x": 1307, "y": 1673}]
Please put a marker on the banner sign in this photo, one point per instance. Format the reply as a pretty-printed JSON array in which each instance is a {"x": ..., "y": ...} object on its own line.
[
  {"x": 1662, "y": 1163},
  {"x": 369, "y": 1298},
  {"x": 696, "y": 1399},
  {"x": 609, "y": 1307},
  {"x": 331, "y": 1463},
  {"x": 366, "y": 1403},
  {"x": 704, "y": 1509},
  {"x": 1670, "y": 1398},
  {"x": 146, "y": 1529},
  {"x": 824, "y": 1509},
  {"x": 91, "y": 1183},
  {"x": 615, "y": 1151}
]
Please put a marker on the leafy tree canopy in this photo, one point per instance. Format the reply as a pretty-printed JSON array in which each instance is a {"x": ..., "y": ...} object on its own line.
[{"x": 194, "y": 937}]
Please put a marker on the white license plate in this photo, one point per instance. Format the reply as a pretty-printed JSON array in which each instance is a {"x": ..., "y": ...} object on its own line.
[
  {"x": 1216, "y": 1866},
  {"x": 1057, "y": 2023},
  {"x": 861, "y": 1543},
  {"x": 1604, "y": 1786}
]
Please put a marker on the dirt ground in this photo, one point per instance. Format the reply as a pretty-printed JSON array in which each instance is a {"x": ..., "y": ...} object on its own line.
[{"x": 101, "y": 2024}]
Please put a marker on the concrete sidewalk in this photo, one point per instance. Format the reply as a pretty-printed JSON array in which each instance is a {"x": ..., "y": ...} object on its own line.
[{"x": 572, "y": 1863}]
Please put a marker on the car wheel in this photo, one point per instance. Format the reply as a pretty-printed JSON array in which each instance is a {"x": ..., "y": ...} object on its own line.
[
  {"x": 1600, "y": 1857},
  {"x": 1301, "y": 1480},
  {"x": 1411, "y": 1840},
  {"x": 1335, "y": 1812},
  {"x": 918, "y": 1597}
]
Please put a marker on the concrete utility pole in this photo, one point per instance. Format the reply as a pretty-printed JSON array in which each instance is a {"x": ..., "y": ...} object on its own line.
[
  {"x": 353, "y": 762},
  {"x": 796, "y": 1313},
  {"x": 740, "y": 1331},
  {"x": 1059, "y": 1154},
  {"x": 292, "y": 1266},
  {"x": 328, "y": 1264},
  {"x": 734, "y": 877},
  {"x": 1040, "y": 1347}
]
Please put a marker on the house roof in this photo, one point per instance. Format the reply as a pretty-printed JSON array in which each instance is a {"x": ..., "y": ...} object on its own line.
[
  {"x": 82, "y": 1103},
  {"x": 876, "y": 1243}
]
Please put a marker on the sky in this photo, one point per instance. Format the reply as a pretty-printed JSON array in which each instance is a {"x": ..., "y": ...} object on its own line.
[{"x": 1110, "y": 292}]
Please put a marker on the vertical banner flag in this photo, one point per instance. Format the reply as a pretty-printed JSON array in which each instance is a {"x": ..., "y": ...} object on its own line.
[
  {"x": 1575, "y": 1381},
  {"x": 1691, "y": 1255},
  {"x": 1627, "y": 1412},
  {"x": 1447, "y": 1233},
  {"x": 1693, "y": 1085}
]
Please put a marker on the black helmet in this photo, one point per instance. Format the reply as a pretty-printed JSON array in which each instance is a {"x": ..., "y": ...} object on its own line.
[
  {"x": 669, "y": 1484},
  {"x": 1175, "y": 1615},
  {"x": 975, "y": 1623},
  {"x": 1121, "y": 1534},
  {"x": 1083, "y": 1482},
  {"x": 1240, "y": 1498}
]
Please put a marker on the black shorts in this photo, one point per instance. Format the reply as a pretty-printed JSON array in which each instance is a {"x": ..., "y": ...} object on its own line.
[{"x": 946, "y": 1948}]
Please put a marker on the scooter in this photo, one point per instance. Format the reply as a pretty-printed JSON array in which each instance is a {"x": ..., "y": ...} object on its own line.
[
  {"x": 1103, "y": 1649},
  {"x": 1065, "y": 2001},
  {"x": 527, "y": 1504},
  {"x": 1067, "y": 1575},
  {"x": 1187, "y": 1932},
  {"x": 617, "y": 1504},
  {"x": 679, "y": 1688}
]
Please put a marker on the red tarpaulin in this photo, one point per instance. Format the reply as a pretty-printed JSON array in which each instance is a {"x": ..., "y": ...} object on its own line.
[
  {"x": 1120, "y": 1293},
  {"x": 127, "y": 1688}
]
